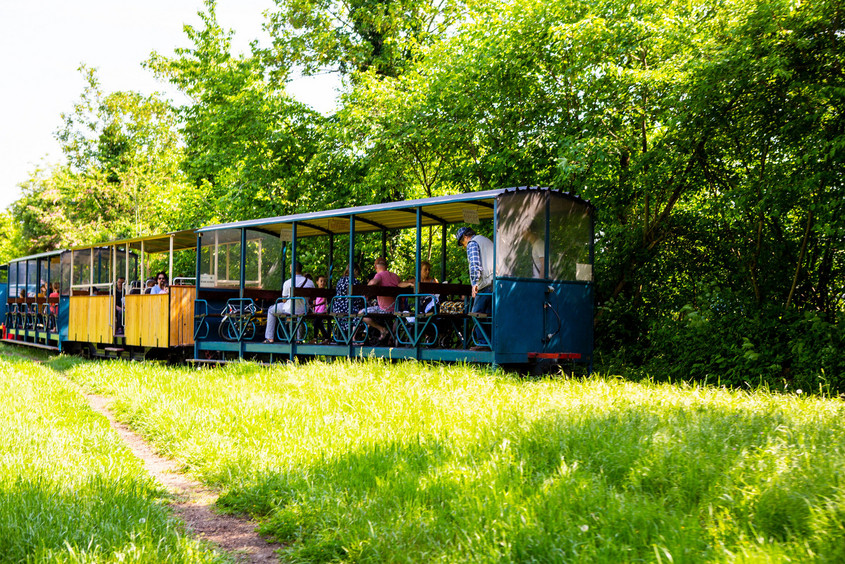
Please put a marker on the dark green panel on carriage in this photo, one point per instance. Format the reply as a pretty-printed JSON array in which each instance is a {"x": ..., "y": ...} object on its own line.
[
  {"x": 4, "y": 283},
  {"x": 63, "y": 319},
  {"x": 567, "y": 321}
]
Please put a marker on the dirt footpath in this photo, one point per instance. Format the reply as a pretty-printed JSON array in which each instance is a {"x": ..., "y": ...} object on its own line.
[{"x": 193, "y": 503}]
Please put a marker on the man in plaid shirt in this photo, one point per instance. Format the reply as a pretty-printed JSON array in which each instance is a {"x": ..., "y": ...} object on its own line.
[{"x": 480, "y": 256}]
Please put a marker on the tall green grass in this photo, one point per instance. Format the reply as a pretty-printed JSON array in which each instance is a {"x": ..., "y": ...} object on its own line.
[
  {"x": 69, "y": 490},
  {"x": 380, "y": 462}
]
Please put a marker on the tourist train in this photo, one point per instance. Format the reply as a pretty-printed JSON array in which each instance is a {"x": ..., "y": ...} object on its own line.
[{"x": 221, "y": 282}]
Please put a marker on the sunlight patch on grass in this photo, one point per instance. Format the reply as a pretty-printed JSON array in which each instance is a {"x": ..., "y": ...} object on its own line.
[{"x": 379, "y": 461}]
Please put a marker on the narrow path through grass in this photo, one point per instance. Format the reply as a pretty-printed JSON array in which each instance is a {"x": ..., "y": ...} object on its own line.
[
  {"x": 193, "y": 501},
  {"x": 64, "y": 476}
]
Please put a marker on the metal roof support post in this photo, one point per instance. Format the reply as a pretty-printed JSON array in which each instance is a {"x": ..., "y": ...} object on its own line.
[
  {"x": 242, "y": 283},
  {"x": 495, "y": 285},
  {"x": 170, "y": 266},
  {"x": 91, "y": 271},
  {"x": 443, "y": 253},
  {"x": 293, "y": 253},
  {"x": 198, "y": 267},
  {"x": 350, "y": 278},
  {"x": 198, "y": 281},
  {"x": 143, "y": 270},
  {"x": 70, "y": 286},
  {"x": 293, "y": 263},
  {"x": 216, "y": 255},
  {"x": 243, "y": 263},
  {"x": 293, "y": 288},
  {"x": 330, "y": 266},
  {"x": 419, "y": 253},
  {"x": 417, "y": 272},
  {"x": 113, "y": 288}
]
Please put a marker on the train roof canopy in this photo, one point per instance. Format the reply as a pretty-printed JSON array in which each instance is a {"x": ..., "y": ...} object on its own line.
[
  {"x": 186, "y": 239},
  {"x": 393, "y": 215},
  {"x": 39, "y": 255}
]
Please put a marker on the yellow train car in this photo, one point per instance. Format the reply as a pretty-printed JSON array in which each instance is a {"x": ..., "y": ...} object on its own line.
[{"x": 125, "y": 301}]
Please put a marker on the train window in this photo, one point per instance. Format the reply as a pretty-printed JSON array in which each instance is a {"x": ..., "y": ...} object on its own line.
[
  {"x": 220, "y": 264},
  {"x": 13, "y": 280},
  {"x": 82, "y": 271},
  {"x": 520, "y": 237},
  {"x": 44, "y": 277},
  {"x": 65, "y": 274},
  {"x": 570, "y": 240},
  {"x": 32, "y": 278},
  {"x": 263, "y": 261}
]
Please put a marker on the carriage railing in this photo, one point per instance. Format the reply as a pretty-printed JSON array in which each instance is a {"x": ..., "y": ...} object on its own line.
[{"x": 415, "y": 324}]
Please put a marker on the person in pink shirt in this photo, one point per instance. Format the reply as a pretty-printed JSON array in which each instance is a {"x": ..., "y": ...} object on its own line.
[
  {"x": 321, "y": 303},
  {"x": 386, "y": 279}
]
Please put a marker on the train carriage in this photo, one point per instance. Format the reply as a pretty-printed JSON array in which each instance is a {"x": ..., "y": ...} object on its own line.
[
  {"x": 36, "y": 313},
  {"x": 90, "y": 300},
  {"x": 540, "y": 313}
]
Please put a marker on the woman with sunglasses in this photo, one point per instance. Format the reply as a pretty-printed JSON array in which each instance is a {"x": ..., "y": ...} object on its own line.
[{"x": 161, "y": 284}]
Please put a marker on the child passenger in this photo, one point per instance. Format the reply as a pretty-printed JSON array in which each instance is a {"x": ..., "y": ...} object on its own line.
[{"x": 321, "y": 306}]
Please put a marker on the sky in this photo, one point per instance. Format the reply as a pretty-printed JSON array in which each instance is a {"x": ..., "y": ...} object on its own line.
[{"x": 43, "y": 43}]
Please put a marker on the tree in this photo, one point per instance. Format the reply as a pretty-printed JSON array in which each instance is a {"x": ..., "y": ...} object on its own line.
[
  {"x": 247, "y": 141},
  {"x": 381, "y": 36},
  {"x": 120, "y": 177}
]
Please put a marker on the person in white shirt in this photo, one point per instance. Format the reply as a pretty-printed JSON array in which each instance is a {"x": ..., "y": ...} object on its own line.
[
  {"x": 285, "y": 307},
  {"x": 538, "y": 253}
]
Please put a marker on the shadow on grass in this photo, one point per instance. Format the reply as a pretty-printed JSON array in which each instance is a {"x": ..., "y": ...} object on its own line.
[
  {"x": 56, "y": 361},
  {"x": 615, "y": 486}
]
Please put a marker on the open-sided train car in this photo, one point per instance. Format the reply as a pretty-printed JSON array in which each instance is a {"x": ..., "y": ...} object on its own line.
[
  {"x": 90, "y": 300},
  {"x": 540, "y": 312}
]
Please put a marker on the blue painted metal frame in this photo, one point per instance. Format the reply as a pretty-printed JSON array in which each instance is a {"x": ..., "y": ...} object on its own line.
[
  {"x": 529, "y": 316},
  {"x": 411, "y": 328},
  {"x": 354, "y": 320},
  {"x": 287, "y": 329}
]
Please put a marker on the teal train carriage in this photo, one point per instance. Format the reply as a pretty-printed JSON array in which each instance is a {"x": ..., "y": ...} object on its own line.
[
  {"x": 36, "y": 309},
  {"x": 542, "y": 290}
]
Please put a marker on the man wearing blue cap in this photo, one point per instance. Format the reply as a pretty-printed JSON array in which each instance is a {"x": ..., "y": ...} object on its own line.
[{"x": 480, "y": 256}]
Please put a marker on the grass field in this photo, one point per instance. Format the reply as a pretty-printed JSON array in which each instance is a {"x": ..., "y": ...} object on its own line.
[
  {"x": 69, "y": 490},
  {"x": 381, "y": 462}
]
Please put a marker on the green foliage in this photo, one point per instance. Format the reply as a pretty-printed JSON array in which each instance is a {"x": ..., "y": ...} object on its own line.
[
  {"x": 248, "y": 144},
  {"x": 381, "y": 36},
  {"x": 379, "y": 462},
  {"x": 121, "y": 177}
]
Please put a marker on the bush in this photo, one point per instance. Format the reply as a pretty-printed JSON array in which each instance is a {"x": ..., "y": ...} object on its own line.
[{"x": 732, "y": 344}]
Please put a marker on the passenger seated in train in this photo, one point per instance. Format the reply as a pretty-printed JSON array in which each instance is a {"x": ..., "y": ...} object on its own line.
[
  {"x": 148, "y": 285},
  {"x": 340, "y": 305},
  {"x": 385, "y": 304},
  {"x": 320, "y": 306},
  {"x": 285, "y": 307},
  {"x": 161, "y": 284}
]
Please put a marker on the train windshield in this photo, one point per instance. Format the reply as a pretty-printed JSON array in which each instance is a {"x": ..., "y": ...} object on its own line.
[{"x": 543, "y": 235}]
